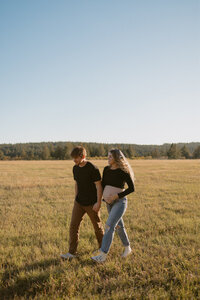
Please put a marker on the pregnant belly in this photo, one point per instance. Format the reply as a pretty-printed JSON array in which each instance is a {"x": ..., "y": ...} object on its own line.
[{"x": 110, "y": 191}]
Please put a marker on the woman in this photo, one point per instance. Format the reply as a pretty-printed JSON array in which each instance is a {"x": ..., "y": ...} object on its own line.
[{"x": 115, "y": 175}]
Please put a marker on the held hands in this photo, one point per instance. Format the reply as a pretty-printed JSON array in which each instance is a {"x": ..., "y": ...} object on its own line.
[
  {"x": 96, "y": 207},
  {"x": 110, "y": 199}
]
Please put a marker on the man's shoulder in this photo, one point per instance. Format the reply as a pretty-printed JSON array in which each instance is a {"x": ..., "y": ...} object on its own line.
[
  {"x": 74, "y": 168},
  {"x": 91, "y": 165}
]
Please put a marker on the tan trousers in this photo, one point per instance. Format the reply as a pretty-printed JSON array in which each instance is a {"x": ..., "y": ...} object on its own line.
[{"x": 77, "y": 216}]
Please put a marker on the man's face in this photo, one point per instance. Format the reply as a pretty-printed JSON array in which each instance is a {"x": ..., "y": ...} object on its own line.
[{"x": 78, "y": 160}]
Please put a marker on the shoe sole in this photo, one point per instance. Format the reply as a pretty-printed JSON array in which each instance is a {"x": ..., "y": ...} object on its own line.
[
  {"x": 66, "y": 258},
  {"x": 126, "y": 255},
  {"x": 98, "y": 261}
]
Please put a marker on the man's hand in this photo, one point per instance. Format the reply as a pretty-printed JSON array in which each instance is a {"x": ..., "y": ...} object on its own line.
[
  {"x": 96, "y": 207},
  {"x": 110, "y": 199}
]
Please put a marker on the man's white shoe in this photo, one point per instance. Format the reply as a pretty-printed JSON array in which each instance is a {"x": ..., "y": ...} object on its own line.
[
  {"x": 100, "y": 258},
  {"x": 127, "y": 251},
  {"x": 67, "y": 256}
]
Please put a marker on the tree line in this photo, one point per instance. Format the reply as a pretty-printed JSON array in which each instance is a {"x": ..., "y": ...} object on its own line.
[{"x": 62, "y": 150}]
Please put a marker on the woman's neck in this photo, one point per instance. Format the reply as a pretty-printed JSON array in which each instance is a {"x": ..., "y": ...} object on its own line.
[{"x": 113, "y": 167}]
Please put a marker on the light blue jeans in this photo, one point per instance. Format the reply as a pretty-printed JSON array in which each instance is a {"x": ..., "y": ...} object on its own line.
[{"x": 115, "y": 222}]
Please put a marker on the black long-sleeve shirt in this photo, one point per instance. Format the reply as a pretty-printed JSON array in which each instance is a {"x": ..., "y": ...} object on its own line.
[{"x": 117, "y": 178}]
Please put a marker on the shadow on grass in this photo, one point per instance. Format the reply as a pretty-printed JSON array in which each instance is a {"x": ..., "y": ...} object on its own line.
[
  {"x": 26, "y": 285},
  {"x": 13, "y": 283}
]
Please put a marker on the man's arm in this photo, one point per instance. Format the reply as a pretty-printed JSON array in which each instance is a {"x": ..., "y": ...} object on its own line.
[
  {"x": 76, "y": 189},
  {"x": 97, "y": 205}
]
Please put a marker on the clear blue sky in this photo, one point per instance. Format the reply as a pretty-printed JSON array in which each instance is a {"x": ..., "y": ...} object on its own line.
[{"x": 103, "y": 71}]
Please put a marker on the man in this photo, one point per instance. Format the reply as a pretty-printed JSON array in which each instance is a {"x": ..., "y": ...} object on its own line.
[{"x": 88, "y": 194}]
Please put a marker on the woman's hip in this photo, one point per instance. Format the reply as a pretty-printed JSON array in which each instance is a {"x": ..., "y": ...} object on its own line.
[{"x": 117, "y": 209}]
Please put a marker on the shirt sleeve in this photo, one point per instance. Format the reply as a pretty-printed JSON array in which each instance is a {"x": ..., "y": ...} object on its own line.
[
  {"x": 74, "y": 174},
  {"x": 130, "y": 188},
  {"x": 96, "y": 176},
  {"x": 103, "y": 179}
]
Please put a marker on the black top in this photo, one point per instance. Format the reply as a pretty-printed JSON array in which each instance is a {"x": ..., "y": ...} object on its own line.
[
  {"x": 117, "y": 178},
  {"x": 85, "y": 178}
]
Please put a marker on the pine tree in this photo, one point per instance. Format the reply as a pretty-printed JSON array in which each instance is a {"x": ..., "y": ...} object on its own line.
[
  {"x": 59, "y": 153},
  {"x": 130, "y": 152},
  {"x": 51, "y": 150},
  {"x": 155, "y": 153},
  {"x": 196, "y": 153},
  {"x": 173, "y": 152},
  {"x": 185, "y": 152},
  {"x": 23, "y": 154},
  {"x": 45, "y": 153},
  {"x": 66, "y": 152},
  {"x": 1, "y": 155},
  {"x": 101, "y": 150}
]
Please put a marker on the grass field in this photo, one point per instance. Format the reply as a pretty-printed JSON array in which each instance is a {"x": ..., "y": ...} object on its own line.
[{"x": 162, "y": 221}]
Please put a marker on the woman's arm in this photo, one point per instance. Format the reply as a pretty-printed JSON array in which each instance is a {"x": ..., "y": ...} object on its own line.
[{"x": 130, "y": 188}]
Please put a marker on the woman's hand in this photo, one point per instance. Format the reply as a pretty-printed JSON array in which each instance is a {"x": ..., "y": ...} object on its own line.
[{"x": 110, "y": 199}]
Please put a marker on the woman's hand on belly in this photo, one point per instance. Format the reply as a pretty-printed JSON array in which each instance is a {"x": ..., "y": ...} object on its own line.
[
  {"x": 112, "y": 198},
  {"x": 110, "y": 193}
]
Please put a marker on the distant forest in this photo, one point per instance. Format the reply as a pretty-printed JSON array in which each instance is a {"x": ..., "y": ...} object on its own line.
[{"x": 62, "y": 150}]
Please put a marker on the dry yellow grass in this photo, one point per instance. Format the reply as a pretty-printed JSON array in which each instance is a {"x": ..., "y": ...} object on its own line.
[{"x": 162, "y": 221}]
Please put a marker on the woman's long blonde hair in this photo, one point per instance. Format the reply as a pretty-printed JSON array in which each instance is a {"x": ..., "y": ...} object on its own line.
[{"x": 122, "y": 162}]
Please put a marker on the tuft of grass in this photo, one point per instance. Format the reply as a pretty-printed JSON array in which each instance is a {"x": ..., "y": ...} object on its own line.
[{"x": 162, "y": 221}]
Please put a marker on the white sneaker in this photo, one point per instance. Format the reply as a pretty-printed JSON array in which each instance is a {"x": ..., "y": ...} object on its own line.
[
  {"x": 67, "y": 256},
  {"x": 127, "y": 251},
  {"x": 96, "y": 252},
  {"x": 100, "y": 258}
]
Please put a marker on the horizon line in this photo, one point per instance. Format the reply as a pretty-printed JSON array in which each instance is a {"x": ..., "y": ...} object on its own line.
[{"x": 16, "y": 143}]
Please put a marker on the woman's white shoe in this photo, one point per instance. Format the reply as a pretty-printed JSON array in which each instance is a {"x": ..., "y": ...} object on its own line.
[
  {"x": 100, "y": 258},
  {"x": 127, "y": 251},
  {"x": 96, "y": 252}
]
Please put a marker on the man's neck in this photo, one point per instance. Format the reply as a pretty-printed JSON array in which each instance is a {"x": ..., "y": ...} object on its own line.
[{"x": 83, "y": 163}]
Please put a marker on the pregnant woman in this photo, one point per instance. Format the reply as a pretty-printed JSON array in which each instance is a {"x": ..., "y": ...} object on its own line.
[{"x": 115, "y": 175}]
